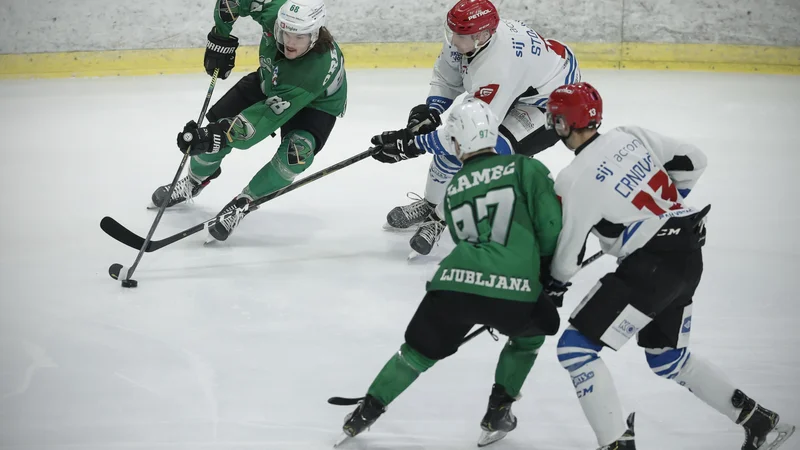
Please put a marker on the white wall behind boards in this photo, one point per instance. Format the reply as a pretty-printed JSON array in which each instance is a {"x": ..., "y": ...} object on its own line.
[{"x": 33, "y": 26}]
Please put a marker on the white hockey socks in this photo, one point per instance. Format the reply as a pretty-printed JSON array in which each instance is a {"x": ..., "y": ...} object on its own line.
[
  {"x": 599, "y": 400},
  {"x": 708, "y": 383}
]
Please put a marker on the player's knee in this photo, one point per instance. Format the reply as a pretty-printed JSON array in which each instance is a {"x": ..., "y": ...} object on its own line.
[
  {"x": 667, "y": 362},
  {"x": 530, "y": 344},
  {"x": 414, "y": 359},
  {"x": 576, "y": 350},
  {"x": 295, "y": 154}
]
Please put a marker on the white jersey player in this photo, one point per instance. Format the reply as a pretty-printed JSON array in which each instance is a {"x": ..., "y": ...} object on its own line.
[
  {"x": 506, "y": 64},
  {"x": 628, "y": 187}
]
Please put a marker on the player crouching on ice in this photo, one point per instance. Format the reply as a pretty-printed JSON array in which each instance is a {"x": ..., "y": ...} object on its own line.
[
  {"x": 658, "y": 238},
  {"x": 299, "y": 88},
  {"x": 505, "y": 218},
  {"x": 505, "y": 63}
]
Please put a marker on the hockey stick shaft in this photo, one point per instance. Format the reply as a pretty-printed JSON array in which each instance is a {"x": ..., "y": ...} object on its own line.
[
  {"x": 127, "y": 237},
  {"x": 347, "y": 401},
  {"x": 163, "y": 206}
]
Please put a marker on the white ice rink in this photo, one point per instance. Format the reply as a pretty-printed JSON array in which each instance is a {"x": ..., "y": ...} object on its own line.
[{"x": 238, "y": 346}]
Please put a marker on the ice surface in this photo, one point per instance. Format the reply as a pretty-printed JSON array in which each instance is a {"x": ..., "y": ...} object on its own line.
[{"x": 237, "y": 346}]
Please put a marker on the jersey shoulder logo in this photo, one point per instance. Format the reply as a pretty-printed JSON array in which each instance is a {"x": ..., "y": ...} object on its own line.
[{"x": 487, "y": 93}]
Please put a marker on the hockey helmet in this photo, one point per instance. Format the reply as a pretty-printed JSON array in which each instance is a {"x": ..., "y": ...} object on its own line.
[
  {"x": 469, "y": 17},
  {"x": 473, "y": 126},
  {"x": 299, "y": 17},
  {"x": 574, "y": 106}
]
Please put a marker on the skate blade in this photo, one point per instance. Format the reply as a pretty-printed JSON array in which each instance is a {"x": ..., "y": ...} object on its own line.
[
  {"x": 411, "y": 229},
  {"x": 490, "y": 437},
  {"x": 210, "y": 240},
  {"x": 783, "y": 431},
  {"x": 342, "y": 439},
  {"x": 413, "y": 256}
]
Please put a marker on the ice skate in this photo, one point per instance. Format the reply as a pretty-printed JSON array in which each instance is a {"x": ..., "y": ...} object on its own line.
[
  {"x": 626, "y": 442},
  {"x": 229, "y": 218},
  {"x": 498, "y": 420},
  {"x": 186, "y": 189},
  {"x": 365, "y": 414},
  {"x": 761, "y": 426},
  {"x": 427, "y": 235},
  {"x": 405, "y": 218}
]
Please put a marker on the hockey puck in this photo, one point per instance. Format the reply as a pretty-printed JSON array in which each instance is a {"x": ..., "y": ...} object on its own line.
[{"x": 129, "y": 283}]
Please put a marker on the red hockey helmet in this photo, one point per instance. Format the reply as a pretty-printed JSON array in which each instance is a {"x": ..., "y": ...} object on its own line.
[
  {"x": 575, "y": 106},
  {"x": 473, "y": 16}
]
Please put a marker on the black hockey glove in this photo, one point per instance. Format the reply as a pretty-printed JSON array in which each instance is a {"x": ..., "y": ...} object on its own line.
[
  {"x": 556, "y": 290},
  {"x": 423, "y": 120},
  {"x": 395, "y": 146},
  {"x": 209, "y": 139},
  {"x": 220, "y": 54}
]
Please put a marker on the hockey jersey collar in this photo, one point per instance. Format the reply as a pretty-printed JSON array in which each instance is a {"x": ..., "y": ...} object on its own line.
[
  {"x": 480, "y": 50},
  {"x": 586, "y": 144},
  {"x": 477, "y": 158}
]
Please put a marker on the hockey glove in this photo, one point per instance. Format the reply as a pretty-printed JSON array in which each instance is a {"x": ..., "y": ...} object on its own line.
[
  {"x": 395, "y": 146},
  {"x": 423, "y": 120},
  {"x": 220, "y": 54},
  {"x": 209, "y": 139},
  {"x": 556, "y": 290}
]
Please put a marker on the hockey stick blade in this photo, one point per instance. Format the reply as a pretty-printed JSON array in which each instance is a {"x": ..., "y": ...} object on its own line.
[
  {"x": 115, "y": 270},
  {"x": 117, "y": 231},
  {"x": 344, "y": 401}
]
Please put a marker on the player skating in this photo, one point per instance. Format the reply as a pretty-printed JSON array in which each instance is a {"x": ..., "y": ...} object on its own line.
[
  {"x": 628, "y": 187},
  {"x": 300, "y": 88},
  {"x": 505, "y": 218},
  {"x": 506, "y": 64}
]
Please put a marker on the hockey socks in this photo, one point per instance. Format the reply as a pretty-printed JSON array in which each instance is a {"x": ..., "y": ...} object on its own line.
[
  {"x": 516, "y": 361},
  {"x": 398, "y": 374}
]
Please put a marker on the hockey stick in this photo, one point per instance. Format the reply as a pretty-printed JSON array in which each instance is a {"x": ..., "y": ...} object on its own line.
[
  {"x": 129, "y": 238},
  {"x": 116, "y": 268},
  {"x": 348, "y": 401}
]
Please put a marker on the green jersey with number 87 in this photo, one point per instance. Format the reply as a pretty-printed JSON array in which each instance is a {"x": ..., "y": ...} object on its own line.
[
  {"x": 315, "y": 80},
  {"x": 504, "y": 216}
]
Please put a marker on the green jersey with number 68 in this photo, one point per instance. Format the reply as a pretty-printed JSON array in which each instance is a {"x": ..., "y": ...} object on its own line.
[
  {"x": 315, "y": 80},
  {"x": 503, "y": 215}
]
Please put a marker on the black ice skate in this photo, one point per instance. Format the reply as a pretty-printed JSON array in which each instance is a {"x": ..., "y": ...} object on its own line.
[
  {"x": 626, "y": 442},
  {"x": 498, "y": 420},
  {"x": 229, "y": 217},
  {"x": 404, "y": 217},
  {"x": 761, "y": 428},
  {"x": 365, "y": 414},
  {"x": 428, "y": 234},
  {"x": 186, "y": 188}
]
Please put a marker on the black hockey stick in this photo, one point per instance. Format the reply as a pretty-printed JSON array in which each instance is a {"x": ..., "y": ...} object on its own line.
[
  {"x": 116, "y": 268},
  {"x": 131, "y": 239},
  {"x": 348, "y": 401}
]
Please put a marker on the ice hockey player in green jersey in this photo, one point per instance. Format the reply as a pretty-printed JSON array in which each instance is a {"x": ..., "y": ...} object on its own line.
[
  {"x": 300, "y": 88},
  {"x": 505, "y": 218}
]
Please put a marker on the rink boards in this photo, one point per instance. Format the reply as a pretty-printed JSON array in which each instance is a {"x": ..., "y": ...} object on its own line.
[{"x": 633, "y": 55}]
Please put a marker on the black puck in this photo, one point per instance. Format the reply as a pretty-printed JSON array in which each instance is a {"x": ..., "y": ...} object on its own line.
[{"x": 129, "y": 283}]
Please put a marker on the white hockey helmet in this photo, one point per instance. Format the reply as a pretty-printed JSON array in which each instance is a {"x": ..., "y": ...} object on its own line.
[
  {"x": 473, "y": 126},
  {"x": 300, "y": 17}
]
